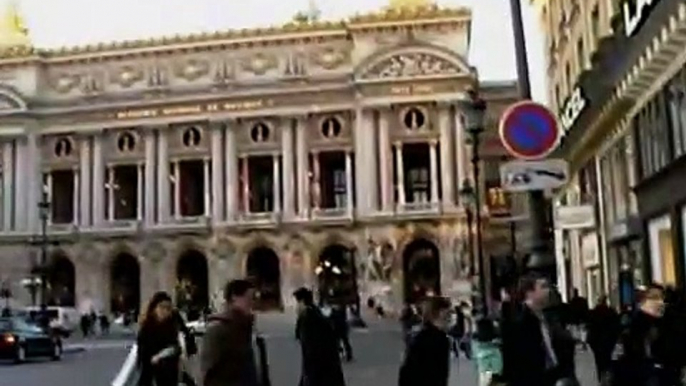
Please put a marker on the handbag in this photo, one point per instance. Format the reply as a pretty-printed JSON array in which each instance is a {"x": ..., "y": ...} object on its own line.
[{"x": 130, "y": 372}]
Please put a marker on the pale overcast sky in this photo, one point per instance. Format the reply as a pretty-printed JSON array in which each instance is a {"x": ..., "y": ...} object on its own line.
[{"x": 73, "y": 22}]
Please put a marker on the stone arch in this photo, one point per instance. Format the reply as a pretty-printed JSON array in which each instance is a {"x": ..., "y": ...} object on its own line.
[
  {"x": 60, "y": 280},
  {"x": 263, "y": 267},
  {"x": 125, "y": 283},
  {"x": 421, "y": 270},
  {"x": 192, "y": 282},
  {"x": 11, "y": 101},
  {"x": 381, "y": 64},
  {"x": 337, "y": 274}
]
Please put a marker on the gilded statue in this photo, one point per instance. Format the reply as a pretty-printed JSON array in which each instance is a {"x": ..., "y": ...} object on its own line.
[{"x": 13, "y": 31}]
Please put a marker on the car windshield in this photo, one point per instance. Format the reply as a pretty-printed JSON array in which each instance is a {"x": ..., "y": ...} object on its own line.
[
  {"x": 21, "y": 324},
  {"x": 5, "y": 325}
]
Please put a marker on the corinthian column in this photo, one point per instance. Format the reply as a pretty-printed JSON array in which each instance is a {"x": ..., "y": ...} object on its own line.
[
  {"x": 366, "y": 166},
  {"x": 461, "y": 157},
  {"x": 149, "y": 184},
  {"x": 288, "y": 163},
  {"x": 218, "y": 186},
  {"x": 276, "y": 187},
  {"x": 7, "y": 185},
  {"x": 303, "y": 162},
  {"x": 349, "y": 182},
  {"x": 231, "y": 173},
  {"x": 447, "y": 171},
  {"x": 163, "y": 191},
  {"x": 385, "y": 162},
  {"x": 98, "y": 181},
  {"x": 433, "y": 165},
  {"x": 400, "y": 174},
  {"x": 85, "y": 177}
]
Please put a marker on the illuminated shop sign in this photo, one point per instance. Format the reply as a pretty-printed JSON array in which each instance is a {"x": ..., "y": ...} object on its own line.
[
  {"x": 635, "y": 13},
  {"x": 573, "y": 108}
]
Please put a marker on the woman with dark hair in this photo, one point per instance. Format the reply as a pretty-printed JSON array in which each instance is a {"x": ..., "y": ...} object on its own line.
[{"x": 158, "y": 343}]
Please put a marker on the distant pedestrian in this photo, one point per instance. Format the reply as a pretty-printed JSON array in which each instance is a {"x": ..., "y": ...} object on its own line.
[
  {"x": 229, "y": 355},
  {"x": 578, "y": 309},
  {"x": 104, "y": 324},
  {"x": 408, "y": 320},
  {"x": 427, "y": 359},
  {"x": 158, "y": 343},
  {"x": 321, "y": 362},
  {"x": 603, "y": 331},
  {"x": 339, "y": 318},
  {"x": 486, "y": 351},
  {"x": 85, "y": 324}
]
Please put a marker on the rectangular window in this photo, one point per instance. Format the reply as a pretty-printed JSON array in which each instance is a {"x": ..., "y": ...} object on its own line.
[
  {"x": 580, "y": 60},
  {"x": 595, "y": 24}
]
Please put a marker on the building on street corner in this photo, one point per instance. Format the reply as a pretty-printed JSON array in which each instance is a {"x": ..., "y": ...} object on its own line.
[
  {"x": 316, "y": 153},
  {"x": 616, "y": 77}
]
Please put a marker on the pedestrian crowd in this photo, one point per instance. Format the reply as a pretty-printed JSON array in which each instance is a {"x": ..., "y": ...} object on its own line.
[{"x": 530, "y": 340}]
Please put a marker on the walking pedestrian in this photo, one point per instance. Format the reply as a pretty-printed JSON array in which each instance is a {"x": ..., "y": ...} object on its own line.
[
  {"x": 672, "y": 338},
  {"x": 104, "y": 324},
  {"x": 228, "y": 353},
  {"x": 427, "y": 362},
  {"x": 339, "y": 317},
  {"x": 409, "y": 319},
  {"x": 603, "y": 331},
  {"x": 639, "y": 365},
  {"x": 578, "y": 309},
  {"x": 529, "y": 355},
  {"x": 321, "y": 362},
  {"x": 190, "y": 348},
  {"x": 486, "y": 351},
  {"x": 158, "y": 344}
]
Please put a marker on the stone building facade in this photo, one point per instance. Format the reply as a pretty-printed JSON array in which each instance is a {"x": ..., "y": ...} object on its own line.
[{"x": 178, "y": 163}]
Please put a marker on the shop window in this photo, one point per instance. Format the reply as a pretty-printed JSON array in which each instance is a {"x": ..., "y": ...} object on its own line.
[{"x": 661, "y": 251}]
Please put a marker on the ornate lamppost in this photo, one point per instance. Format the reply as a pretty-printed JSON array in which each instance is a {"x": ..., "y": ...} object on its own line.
[
  {"x": 44, "y": 243},
  {"x": 475, "y": 113}
]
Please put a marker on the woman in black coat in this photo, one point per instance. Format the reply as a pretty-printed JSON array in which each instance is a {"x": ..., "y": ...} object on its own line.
[{"x": 158, "y": 344}]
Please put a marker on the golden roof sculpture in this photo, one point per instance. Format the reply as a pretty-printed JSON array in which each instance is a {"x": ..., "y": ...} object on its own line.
[
  {"x": 399, "y": 12},
  {"x": 14, "y": 36}
]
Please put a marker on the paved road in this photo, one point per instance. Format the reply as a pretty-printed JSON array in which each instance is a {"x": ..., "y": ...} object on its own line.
[{"x": 378, "y": 352}]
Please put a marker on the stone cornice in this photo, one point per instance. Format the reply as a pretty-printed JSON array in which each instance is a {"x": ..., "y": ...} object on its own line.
[{"x": 293, "y": 32}]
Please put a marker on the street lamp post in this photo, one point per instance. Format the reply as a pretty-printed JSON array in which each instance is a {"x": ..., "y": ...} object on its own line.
[
  {"x": 44, "y": 213},
  {"x": 542, "y": 258},
  {"x": 474, "y": 123}
]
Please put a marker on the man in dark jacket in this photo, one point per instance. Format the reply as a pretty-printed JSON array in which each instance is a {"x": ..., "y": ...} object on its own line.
[
  {"x": 530, "y": 357},
  {"x": 427, "y": 362},
  {"x": 321, "y": 362},
  {"x": 339, "y": 318},
  {"x": 578, "y": 310},
  {"x": 603, "y": 332},
  {"x": 227, "y": 356}
]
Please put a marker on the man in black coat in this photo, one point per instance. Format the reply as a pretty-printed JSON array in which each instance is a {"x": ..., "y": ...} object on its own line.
[
  {"x": 603, "y": 331},
  {"x": 321, "y": 363},
  {"x": 530, "y": 358},
  {"x": 427, "y": 362},
  {"x": 339, "y": 317}
]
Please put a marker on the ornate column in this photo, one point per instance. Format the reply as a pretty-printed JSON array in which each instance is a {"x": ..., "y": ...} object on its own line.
[
  {"x": 85, "y": 177},
  {"x": 75, "y": 198},
  {"x": 177, "y": 189},
  {"x": 276, "y": 184},
  {"x": 21, "y": 199},
  {"x": 163, "y": 188},
  {"x": 34, "y": 186},
  {"x": 48, "y": 191},
  {"x": 111, "y": 178},
  {"x": 98, "y": 181},
  {"x": 139, "y": 191},
  {"x": 288, "y": 163},
  {"x": 400, "y": 173},
  {"x": 461, "y": 156},
  {"x": 316, "y": 181},
  {"x": 149, "y": 185},
  {"x": 433, "y": 166},
  {"x": 365, "y": 162},
  {"x": 302, "y": 161},
  {"x": 245, "y": 179},
  {"x": 385, "y": 162},
  {"x": 218, "y": 186},
  {"x": 207, "y": 198},
  {"x": 7, "y": 185},
  {"x": 231, "y": 173},
  {"x": 349, "y": 182},
  {"x": 447, "y": 173}
]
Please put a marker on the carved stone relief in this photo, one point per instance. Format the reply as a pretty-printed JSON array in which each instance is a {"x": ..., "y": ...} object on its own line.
[
  {"x": 223, "y": 249},
  {"x": 330, "y": 58},
  {"x": 158, "y": 76},
  {"x": 65, "y": 83},
  {"x": 91, "y": 83},
  {"x": 154, "y": 251},
  {"x": 224, "y": 73},
  {"x": 192, "y": 69},
  {"x": 295, "y": 65},
  {"x": 127, "y": 76},
  {"x": 260, "y": 63},
  {"x": 63, "y": 149},
  {"x": 411, "y": 64}
]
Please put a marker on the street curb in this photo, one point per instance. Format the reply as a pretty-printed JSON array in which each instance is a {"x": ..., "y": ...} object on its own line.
[{"x": 73, "y": 349}]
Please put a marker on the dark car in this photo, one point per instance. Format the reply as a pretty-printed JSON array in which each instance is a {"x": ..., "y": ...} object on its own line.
[{"x": 20, "y": 339}]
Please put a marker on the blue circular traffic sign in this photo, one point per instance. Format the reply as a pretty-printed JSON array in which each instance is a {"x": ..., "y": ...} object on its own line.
[{"x": 529, "y": 130}]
